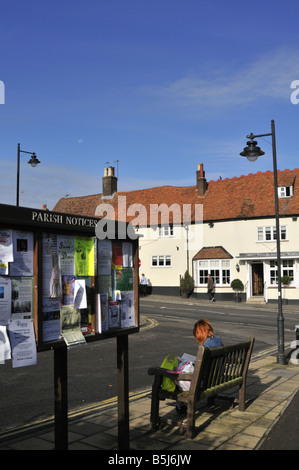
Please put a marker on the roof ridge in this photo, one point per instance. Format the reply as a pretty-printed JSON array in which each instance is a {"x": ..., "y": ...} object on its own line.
[{"x": 245, "y": 196}]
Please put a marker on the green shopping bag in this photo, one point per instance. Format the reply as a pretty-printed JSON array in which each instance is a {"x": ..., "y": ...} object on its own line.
[{"x": 170, "y": 362}]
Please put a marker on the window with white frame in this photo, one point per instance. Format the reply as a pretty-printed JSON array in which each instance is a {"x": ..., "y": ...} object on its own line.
[
  {"x": 166, "y": 231},
  {"x": 268, "y": 233},
  {"x": 285, "y": 191},
  {"x": 161, "y": 261},
  {"x": 287, "y": 269},
  {"x": 219, "y": 269}
]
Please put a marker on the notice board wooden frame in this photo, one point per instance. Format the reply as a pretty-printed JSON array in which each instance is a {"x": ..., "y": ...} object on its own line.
[{"x": 39, "y": 221}]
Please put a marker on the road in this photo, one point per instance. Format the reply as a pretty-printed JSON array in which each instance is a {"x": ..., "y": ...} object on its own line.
[
  {"x": 27, "y": 393},
  {"x": 231, "y": 323}
]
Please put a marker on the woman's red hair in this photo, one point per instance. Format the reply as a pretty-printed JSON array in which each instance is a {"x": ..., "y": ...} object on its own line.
[{"x": 202, "y": 330}]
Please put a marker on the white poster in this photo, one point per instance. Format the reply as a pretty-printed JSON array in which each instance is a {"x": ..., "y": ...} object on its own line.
[
  {"x": 80, "y": 294},
  {"x": 6, "y": 246},
  {"x": 70, "y": 326},
  {"x": 51, "y": 282},
  {"x": 22, "y": 253},
  {"x": 3, "y": 268},
  {"x": 21, "y": 298},
  {"x": 66, "y": 252},
  {"x": 104, "y": 257},
  {"x": 113, "y": 314},
  {"x": 5, "y": 351},
  {"x": 5, "y": 300},
  {"x": 49, "y": 244},
  {"x": 102, "y": 313},
  {"x": 127, "y": 309},
  {"x": 127, "y": 253},
  {"x": 51, "y": 319},
  {"x": 23, "y": 345}
]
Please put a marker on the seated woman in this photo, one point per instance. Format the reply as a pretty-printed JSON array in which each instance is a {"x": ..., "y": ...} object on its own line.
[{"x": 204, "y": 334}]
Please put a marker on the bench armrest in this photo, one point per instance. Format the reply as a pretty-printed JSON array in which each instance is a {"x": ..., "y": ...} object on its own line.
[
  {"x": 171, "y": 374},
  {"x": 161, "y": 371}
]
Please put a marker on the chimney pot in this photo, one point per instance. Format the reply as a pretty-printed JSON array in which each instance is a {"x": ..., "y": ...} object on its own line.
[
  {"x": 109, "y": 182},
  {"x": 201, "y": 181}
]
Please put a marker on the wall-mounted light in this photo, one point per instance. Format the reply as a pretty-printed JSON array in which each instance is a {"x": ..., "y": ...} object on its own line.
[{"x": 237, "y": 267}]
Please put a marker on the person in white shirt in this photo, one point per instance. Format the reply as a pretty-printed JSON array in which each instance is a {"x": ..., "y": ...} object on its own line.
[{"x": 143, "y": 283}]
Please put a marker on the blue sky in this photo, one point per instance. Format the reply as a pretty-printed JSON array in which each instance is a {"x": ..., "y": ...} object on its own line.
[{"x": 159, "y": 86}]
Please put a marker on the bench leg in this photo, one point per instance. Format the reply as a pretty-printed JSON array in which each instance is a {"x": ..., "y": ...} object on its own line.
[
  {"x": 155, "y": 402},
  {"x": 242, "y": 390},
  {"x": 190, "y": 420}
]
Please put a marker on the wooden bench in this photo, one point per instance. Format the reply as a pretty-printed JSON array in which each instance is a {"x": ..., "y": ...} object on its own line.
[{"x": 215, "y": 371}]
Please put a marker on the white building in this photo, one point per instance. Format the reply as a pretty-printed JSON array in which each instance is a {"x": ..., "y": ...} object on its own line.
[{"x": 224, "y": 227}]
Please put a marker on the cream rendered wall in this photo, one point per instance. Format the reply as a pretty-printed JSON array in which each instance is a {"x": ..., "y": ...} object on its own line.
[
  {"x": 234, "y": 236},
  {"x": 291, "y": 244},
  {"x": 176, "y": 246},
  {"x": 241, "y": 237}
]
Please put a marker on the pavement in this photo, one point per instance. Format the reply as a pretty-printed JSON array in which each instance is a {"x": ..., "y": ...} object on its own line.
[{"x": 270, "y": 421}]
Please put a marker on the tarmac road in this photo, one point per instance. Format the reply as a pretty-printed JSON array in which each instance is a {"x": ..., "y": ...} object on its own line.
[{"x": 27, "y": 393}]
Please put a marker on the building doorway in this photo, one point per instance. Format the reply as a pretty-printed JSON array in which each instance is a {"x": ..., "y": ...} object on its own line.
[{"x": 257, "y": 279}]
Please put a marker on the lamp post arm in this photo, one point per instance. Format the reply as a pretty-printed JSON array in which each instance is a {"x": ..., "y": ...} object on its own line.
[
  {"x": 252, "y": 136},
  {"x": 24, "y": 151}
]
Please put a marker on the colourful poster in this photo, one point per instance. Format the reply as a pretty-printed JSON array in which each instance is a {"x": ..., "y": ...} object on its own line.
[
  {"x": 68, "y": 290},
  {"x": 123, "y": 279},
  {"x": 117, "y": 259},
  {"x": 84, "y": 256}
]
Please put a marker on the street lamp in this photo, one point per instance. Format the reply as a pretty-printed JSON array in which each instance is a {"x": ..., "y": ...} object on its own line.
[
  {"x": 33, "y": 162},
  {"x": 252, "y": 152}
]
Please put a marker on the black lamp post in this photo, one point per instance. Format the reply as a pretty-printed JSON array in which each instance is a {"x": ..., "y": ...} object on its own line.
[
  {"x": 252, "y": 152},
  {"x": 33, "y": 162}
]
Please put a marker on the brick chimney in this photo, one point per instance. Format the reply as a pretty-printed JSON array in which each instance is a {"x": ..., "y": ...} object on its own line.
[
  {"x": 109, "y": 182},
  {"x": 201, "y": 181}
]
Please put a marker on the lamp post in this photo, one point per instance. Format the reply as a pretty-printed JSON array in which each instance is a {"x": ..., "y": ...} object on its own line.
[
  {"x": 252, "y": 152},
  {"x": 33, "y": 162}
]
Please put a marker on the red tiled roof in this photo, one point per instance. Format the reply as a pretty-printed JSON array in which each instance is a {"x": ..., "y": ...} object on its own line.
[
  {"x": 243, "y": 197},
  {"x": 213, "y": 252}
]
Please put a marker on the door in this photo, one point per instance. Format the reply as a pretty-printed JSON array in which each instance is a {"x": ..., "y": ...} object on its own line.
[{"x": 257, "y": 279}]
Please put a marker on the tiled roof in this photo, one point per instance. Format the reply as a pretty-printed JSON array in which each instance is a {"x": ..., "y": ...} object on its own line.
[
  {"x": 243, "y": 197},
  {"x": 213, "y": 252}
]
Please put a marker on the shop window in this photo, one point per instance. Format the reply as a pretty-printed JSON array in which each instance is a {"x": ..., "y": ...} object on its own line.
[
  {"x": 287, "y": 269},
  {"x": 218, "y": 269},
  {"x": 161, "y": 261},
  {"x": 268, "y": 233}
]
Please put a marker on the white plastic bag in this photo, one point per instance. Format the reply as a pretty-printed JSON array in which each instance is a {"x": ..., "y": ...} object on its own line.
[{"x": 186, "y": 368}]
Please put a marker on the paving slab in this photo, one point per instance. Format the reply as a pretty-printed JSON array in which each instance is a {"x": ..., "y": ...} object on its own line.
[{"x": 270, "y": 390}]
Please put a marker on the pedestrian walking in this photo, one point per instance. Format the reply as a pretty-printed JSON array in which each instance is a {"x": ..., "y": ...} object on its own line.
[
  {"x": 211, "y": 288},
  {"x": 143, "y": 283}
]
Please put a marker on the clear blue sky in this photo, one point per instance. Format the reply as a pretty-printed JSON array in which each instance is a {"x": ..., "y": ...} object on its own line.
[{"x": 158, "y": 85}]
